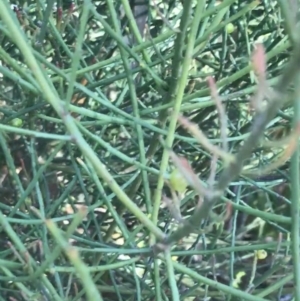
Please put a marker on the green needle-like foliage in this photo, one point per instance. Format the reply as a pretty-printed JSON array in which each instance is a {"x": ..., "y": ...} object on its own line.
[{"x": 149, "y": 150}]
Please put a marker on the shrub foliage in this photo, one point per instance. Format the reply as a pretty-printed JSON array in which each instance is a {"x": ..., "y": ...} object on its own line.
[{"x": 149, "y": 150}]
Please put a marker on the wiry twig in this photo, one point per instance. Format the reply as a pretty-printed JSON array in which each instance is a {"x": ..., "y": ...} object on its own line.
[
  {"x": 286, "y": 155},
  {"x": 234, "y": 168},
  {"x": 173, "y": 206},
  {"x": 187, "y": 172},
  {"x": 213, "y": 169},
  {"x": 202, "y": 139},
  {"x": 259, "y": 66},
  {"x": 221, "y": 111}
]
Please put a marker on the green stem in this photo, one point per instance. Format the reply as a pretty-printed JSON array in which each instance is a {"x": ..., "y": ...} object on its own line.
[{"x": 52, "y": 97}]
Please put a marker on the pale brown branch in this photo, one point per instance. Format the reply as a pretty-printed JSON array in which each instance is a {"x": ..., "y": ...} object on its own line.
[
  {"x": 203, "y": 140},
  {"x": 221, "y": 111}
]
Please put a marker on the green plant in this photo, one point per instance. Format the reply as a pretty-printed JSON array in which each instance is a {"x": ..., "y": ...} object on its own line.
[{"x": 90, "y": 102}]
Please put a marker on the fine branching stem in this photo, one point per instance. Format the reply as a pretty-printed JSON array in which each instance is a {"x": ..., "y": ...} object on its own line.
[{"x": 235, "y": 167}]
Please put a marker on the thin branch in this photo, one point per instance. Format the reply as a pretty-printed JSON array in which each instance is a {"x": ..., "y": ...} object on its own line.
[
  {"x": 235, "y": 167},
  {"x": 221, "y": 111},
  {"x": 203, "y": 140}
]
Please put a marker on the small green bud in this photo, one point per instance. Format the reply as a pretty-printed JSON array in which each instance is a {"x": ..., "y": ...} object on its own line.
[
  {"x": 230, "y": 28},
  {"x": 177, "y": 181},
  {"x": 17, "y": 122},
  {"x": 28, "y": 201}
]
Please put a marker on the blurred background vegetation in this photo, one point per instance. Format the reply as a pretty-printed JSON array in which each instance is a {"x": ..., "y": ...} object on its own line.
[{"x": 112, "y": 63}]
